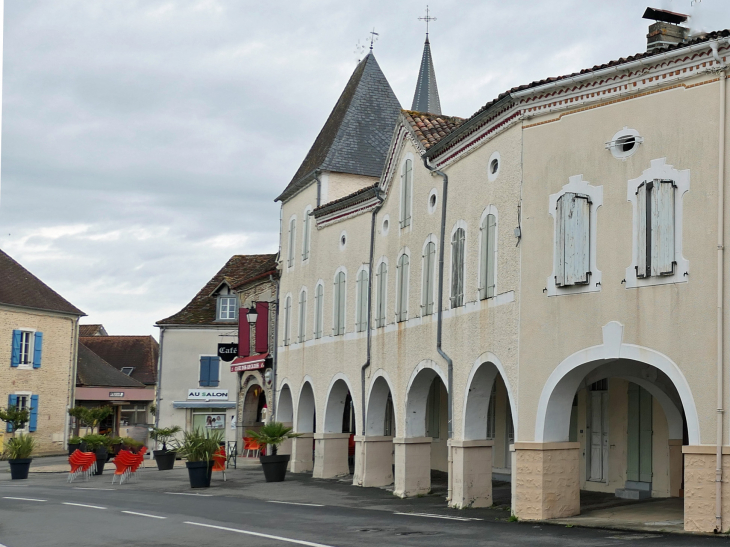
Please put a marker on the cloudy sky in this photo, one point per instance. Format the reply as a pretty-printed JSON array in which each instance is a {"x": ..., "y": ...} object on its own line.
[{"x": 145, "y": 141}]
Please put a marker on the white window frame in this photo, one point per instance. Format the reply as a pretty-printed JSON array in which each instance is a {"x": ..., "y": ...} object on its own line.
[
  {"x": 577, "y": 185},
  {"x": 318, "y": 311},
  {"x": 28, "y": 395},
  {"x": 381, "y": 321},
  {"x": 228, "y": 298},
  {"x": 335, "y": 303},
  {"x": 31, "y": 349},
  {"x": 430, "y": 239},
  {"x": 398, "y": 286},
  {"x": 302, "y": 317},
  {"x": 291, "y": 242},
  {"x": 307, "y": 234},
  {"x": 405, "y": 210},
  {"x": 287, "y": 319},
  {"x": 490, "y": 210},
  {"x": 659, "y": 170},
  {"x": 459, "y": 224}
]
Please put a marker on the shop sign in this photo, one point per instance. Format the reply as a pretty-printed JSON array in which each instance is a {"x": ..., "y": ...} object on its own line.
[
  {"x": 208, "y": 394},
  {"x": 116, "y": 394},
  {"x": 227, "y": 352},
  {"x": 256, "y": 365}
]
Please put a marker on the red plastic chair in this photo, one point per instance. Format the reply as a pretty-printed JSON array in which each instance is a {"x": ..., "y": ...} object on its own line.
[
  {"x": 123, "y": 463},
  {"x": 219, "y": 461},
  {"x": 82, "y": 463}
]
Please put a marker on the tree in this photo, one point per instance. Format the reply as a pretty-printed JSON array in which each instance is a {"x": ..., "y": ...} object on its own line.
[
  {"x": 15, "y": 417},
  {"x": 90, "y": 417}
]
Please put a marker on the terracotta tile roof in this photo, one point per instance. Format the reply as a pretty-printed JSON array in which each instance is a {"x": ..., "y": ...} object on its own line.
[
  {"x": 19, "y": 287},
  {"x": 140, "y": 352},
  {"x": 431, "y": 128},
  {"x": 93, "y": 371},
  {"x": 92, "y": 330},
  {"x": 240, "y": 269}
]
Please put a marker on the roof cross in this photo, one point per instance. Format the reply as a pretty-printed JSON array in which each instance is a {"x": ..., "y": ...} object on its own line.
[
  {"x": 373, "y": 38},
  {"x": 428, "y": 19}
]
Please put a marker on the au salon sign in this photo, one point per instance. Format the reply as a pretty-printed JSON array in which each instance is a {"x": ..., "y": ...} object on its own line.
[{"x": 208, "y": 394}]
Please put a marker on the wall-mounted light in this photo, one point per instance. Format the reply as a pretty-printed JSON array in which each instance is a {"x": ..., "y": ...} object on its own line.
[{"x": 252, "y": 314}]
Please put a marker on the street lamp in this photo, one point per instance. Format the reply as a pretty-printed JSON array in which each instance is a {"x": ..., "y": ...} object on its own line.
[{"x": 252, "y": 314}]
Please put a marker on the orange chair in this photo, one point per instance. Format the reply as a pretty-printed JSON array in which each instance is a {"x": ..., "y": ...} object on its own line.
[
  {"x": 123, "y": 462},
  {"x": 219, "y": 461},
  {"x": 250, "y": 445},
  {"x": 82, "y": 463}
]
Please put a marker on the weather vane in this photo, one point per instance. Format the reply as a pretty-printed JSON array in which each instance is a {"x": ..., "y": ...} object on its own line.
[
  {"x": 373, "y": 38},
  {"x": 361, "y": 47},
  {"x": 428, "y": 19}
]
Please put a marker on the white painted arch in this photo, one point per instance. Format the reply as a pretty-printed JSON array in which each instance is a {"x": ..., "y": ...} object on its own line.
[
  {"x": 380, "y": 387},
  {"x": 552, "y": 422},
  {"x": 417, "y": 394},
  {"x": 306, "y": 405},
  {"x": 335, "y": 402},
  {"x": 285, "y": 403},
  {"x": 476, "y": 398}
]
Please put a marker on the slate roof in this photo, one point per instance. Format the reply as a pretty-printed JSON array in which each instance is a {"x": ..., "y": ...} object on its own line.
[
  {"x": 240, "y": 269},
  {"x": 431, "y": 128},
  {"x": 426, "y": 97},
  {"x": 93, "y": 371},
  {"x": 356, "y": 136},
  {"x": 19, "y": 287},
  {"x": 140, "y": 352},
  {"x": 92, "y": 330}
]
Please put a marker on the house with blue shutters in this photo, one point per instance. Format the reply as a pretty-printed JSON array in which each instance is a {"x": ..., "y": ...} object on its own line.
[{"x": 39, "y": 332}]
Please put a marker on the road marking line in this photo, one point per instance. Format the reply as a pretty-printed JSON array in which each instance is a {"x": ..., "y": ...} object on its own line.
[
  {"x": 82, "y": 505},
  {"x": 428, "y": 515},
  {"x": 295, "y": 503},
  {"x": 144, "y": 515},
  {"x": 267, "y": 536},
  {"x": 86, "y": 488},
  {"x": 189, "y": 494},
  {"x": 21, "y": 499}
]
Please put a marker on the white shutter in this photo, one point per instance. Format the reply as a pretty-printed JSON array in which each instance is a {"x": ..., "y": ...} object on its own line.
[
  {"x": 457, "y": 268},
  {"x": 305, "y": 243},
  {"x": 662, "y": 228},
  {"x": 382, "y": 280},
  {"x": 406, "y": 191},
  {"x": 575, "y": 210},
  {"x": 403, "y": 265},
  {"x": 560, "y": 214},
  {"x": 644, "y": 232},
  {"x": 491, "y": 251},
  {"x": 318, "y": 309},
  {"x": 428, "y": 264},
  {"x": 362, "y": 297},
  {"x": 287, "y": 320},
  {"x": 292, "y": 237},
  {"x": 341, "y": 294},
  {"x": 302, "y": 315}
]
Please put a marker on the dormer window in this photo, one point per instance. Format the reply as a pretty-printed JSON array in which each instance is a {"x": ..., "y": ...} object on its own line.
[
  {"x": 227, "y": 308},
  {"x": 127, "y": 370}
]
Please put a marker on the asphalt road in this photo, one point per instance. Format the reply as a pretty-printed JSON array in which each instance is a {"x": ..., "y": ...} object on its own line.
[{"x": 95, "y": 514}]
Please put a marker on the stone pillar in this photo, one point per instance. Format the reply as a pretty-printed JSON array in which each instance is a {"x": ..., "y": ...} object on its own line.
[
  {"x": 412, "y": 466},
  {"x": 472, "y": 473},
  {"x": 301, "y": 454},
  {"x": 699, "y": 488},
  {"x": 330, "y": 455},
  {"x": 546, "y": 480},
  {"x": 675, "y": 468},
  {"x": 373, "y": 461}
]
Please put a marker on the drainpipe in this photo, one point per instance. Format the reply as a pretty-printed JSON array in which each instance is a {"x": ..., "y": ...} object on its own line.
[
  {"x": 720, "y": 282},
  {"x": 380, "y": 198},
  {"x": 276, "y": 350},
  {"x": 439, "y": 317},
  {"x": 317, "y": 173}
]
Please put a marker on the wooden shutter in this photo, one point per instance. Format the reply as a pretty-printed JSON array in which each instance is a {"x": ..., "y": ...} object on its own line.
[
  {"x": 305, "y": 242},
  {"x": 406, "y": 191},
  {"x": 490, "y": 263},
  {"x": 341, "y": 294},
  {"x": 244, "y": 334},
  {"x": 403, "y": 266},
  {"x": 33, "y": 421},
  {"x": 457, "y": 268},
  {"x": 382, "y": 284},
  {"x": 12, "y": 402},
  {"x": 287, "y": 320},
  {"x": 262, "y": 327},
  {"x": 292, "y": 239},
  {"x": 643, "y": 210},
  {"x": 204, "y": 371},
  {"x": 428, "y": 265},
  {"x": 302, "y": 315},
  {"x": 214, "y": 367},
  {"x": 560, "y": 213},
  {"x": 15, "y": 354},
  {"x": 662, "y": 228},
  {"x": 318, "y": 308},
  {"x": 362, "y": 304},
  {"x": 573, "y": 240},
  {"x": 37, "y": 349}
]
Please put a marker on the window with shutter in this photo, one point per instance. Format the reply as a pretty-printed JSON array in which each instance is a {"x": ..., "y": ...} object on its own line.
[
  {"x": 305, "y": 236},
  {"x": 339, "y": 308},
  {"x": 487, "y": 284},
  {"x": 457, "y": 268},
  {"x": 362, "y": 301},
  {"x": 214, "y": 368},
  {"x": 292, "y": 241},
  {"x": 287, "y": 320},
  {"x": 382, "y": 276},
  {"x": 406, "y": 193},
  {"x": 573, "y": 240},
  {"x": 429, "y": 262},
  {"x": 302, "y": 316},
  {"x": 656, "y": 228},
  {"x": 318, "y": 310},
  {"x": 402, "y": 289},
  {"x": 15, "y": 352},
  {"x": 204, "y": 376}
]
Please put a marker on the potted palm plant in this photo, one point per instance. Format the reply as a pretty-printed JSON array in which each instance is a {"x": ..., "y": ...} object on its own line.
[
  {"x": 198, "y": 447},
  {"x": 165, "y": 458},
  {"x": 99, "y": 445},
  {"x": 271, "y": 436},
  {"x": 18, "y": 452}
]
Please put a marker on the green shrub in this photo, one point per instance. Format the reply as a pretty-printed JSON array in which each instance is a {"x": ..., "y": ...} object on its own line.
[
  {"x": 74, "y": 440},
  {"x": 20, "y": 447},
  {"x": 199, "y": 445},
  {"x": 94, "y": 441}
]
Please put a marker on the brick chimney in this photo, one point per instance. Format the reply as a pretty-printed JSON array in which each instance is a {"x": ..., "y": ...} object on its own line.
[{"x": 666, "y": 31}]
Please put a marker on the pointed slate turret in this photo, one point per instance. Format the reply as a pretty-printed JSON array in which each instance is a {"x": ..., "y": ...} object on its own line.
[
  {"x": 356, "y": 136},
  {"x": 426, "y": 98}
]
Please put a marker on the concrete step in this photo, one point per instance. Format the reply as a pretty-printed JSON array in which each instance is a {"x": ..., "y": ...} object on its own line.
[{"x": 632, "y": 494}]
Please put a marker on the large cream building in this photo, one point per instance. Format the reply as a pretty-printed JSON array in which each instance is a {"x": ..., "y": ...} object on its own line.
[{"x": 535, "y": 292}]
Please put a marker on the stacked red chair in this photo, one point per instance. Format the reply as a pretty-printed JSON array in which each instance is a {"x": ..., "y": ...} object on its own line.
[
  {"x": 82, "y": 463},
  {"x": 219, "y": 461},
  {"x": 124, "y": 462}
]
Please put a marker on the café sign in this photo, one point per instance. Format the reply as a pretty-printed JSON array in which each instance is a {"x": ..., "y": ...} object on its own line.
[
  {"x": 208, "y": 394},
  {"x": 227, "y": 352}
]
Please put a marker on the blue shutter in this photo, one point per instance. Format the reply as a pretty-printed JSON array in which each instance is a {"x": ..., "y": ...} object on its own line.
[
  {"x": 33, "y": 422},
  {"x": 214, "y": 371},
  {"x": 37, "y": 349},
  {"x": 12, "y": 401},
  {"x": 204, "y": 371},
  {"x": 15, "y": 356}
]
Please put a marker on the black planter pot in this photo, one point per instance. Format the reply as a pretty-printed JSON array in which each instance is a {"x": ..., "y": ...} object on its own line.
[
  {"x": 73, "y": 447},
  {"x": 101, "y": 456},
  {"x": 274, "y": 467},
  {"x": 165, "y": 459},
  {"x": 19, "y": 468},
  {"x": 199, "y": 473}
]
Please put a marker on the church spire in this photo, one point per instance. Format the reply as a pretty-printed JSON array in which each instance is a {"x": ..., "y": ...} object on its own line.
[{"x": 426, "y": 98}]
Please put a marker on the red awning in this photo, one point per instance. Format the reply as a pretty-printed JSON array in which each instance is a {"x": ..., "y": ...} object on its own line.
[{"x": 253, "y": 362}]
